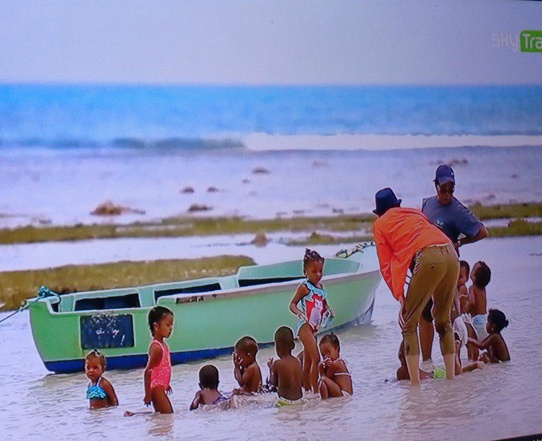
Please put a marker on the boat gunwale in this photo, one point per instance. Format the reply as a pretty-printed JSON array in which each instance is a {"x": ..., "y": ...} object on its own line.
[{"x": 213, "y": 295}]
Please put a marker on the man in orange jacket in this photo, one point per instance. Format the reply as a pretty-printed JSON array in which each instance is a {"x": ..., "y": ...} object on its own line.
[{"x": 406, "y": 239}]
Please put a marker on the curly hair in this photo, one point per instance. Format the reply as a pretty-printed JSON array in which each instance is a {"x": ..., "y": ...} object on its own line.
[
  {"x": 311, "y": 256},
  {"x": 498, "y": 318}
]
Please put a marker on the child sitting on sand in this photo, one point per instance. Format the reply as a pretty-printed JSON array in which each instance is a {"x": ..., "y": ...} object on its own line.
[
  {"x": 335, "y": 380},
  {"x": 494, "y": 344},
  {"x": 310, "y": 305},
  {"x": 402, "y": 371},
  {"x": 285, "y": 373},
  {"x": 245, "y": 367},
  {"x": 100, "y": 391},
  {"x": 208, "y": 384}
]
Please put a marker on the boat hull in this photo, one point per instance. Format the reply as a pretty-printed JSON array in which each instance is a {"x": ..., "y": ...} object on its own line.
[{"x": 206, "y": 324}]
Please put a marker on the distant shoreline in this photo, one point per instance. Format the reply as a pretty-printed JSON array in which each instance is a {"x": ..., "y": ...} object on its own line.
[{"x": 523, "y": 219}]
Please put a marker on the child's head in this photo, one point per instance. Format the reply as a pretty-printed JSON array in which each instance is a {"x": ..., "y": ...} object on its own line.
[
  {"x": 464, "y": 270},
  {"x": 284, "y": 340},
  {"x": 496, "y": 321},
  {"x": 160, "y": 321},
  {"x": 313, "y": 265},
  {"x": 246, "y": 349},
  {"x": 94, "y": 365},
  {"x": 330, "y": 346},
  {"x": 208, "y": 377},
  {"x": 481, "y": 274}
]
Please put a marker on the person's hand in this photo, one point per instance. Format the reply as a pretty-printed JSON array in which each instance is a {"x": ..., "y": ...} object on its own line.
[
  {"x": 147, "y": 400},
  {"x": 169, "y": 390},
  {"x": 326, "y": 363}
]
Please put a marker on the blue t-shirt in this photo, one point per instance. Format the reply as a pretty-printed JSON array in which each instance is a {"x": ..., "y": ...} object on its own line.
[{"x": 452, "y": 219}]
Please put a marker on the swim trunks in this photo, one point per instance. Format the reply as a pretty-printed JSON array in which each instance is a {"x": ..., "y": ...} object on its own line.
[
  {"x": 460, "y": 329},
  {"x": 479, "y": 324},
  {"x": 286, "y": 402}
]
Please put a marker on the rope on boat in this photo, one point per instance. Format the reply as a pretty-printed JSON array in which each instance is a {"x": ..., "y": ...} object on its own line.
[
  {"x": 43, "y": 292},
  {"x": 357, "y": 249}
]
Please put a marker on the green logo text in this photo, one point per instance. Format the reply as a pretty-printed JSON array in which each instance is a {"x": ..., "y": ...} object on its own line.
[{"x": 531, "y": 41}]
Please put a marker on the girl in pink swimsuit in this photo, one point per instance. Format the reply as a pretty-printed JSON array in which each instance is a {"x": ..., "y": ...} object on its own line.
[{"x": 158, "y": 371}]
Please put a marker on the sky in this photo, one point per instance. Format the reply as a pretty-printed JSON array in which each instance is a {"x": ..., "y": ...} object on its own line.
[{"x": 268, "y": 42}]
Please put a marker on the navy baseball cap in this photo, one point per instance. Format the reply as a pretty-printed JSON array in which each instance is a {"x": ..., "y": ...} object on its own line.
[{"x": 444, "y": 174}]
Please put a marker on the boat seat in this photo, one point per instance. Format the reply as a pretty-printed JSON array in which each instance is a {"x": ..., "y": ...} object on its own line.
[
  {"x": 114, "y": 302},
  {"x": 187, "y": 290}
]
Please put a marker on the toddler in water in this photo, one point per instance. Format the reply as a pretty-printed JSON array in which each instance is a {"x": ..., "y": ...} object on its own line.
[
  {"x": 310, "y": 305},
  {"x": 402, "y": 371},
  {"x": 208, "y": 393},
  {"x": 285, "y": 373},
  {"x": 100, "y": 391},
  {"x": 494, "y": 344},
  {"x": 245, "y": 368},
  {"x": 158, "y": 371},
  {"x": 335, "y": 378}
]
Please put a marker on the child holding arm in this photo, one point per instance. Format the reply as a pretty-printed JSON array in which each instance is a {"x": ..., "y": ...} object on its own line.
[
  {"x": 336, "y": 380},
  {"x": 494, "y": 344}
]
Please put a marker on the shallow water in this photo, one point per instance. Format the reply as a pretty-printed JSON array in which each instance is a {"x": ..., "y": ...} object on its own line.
[{"x": 497, "y": 402}]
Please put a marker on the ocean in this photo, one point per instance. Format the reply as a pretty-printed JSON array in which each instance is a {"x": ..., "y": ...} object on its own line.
[{"x": 260, "y": 152}]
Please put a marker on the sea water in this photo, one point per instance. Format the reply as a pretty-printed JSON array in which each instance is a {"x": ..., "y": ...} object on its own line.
[
  {"x": 259, "y": 152},
  {"x": 499, "y": 401}
]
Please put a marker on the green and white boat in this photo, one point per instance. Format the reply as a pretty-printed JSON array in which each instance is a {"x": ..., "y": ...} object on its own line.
[{"x": 211, "y": 314}]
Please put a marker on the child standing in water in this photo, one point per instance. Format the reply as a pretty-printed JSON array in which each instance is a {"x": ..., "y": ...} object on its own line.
[
  {"x": 158, "y": 371},
  {"x": 100, "y": 391},
  {"x": 310, "y": 305},
  {"x": 245, "y": 367},
  {"x": 285, "y": 373},
  {"x": 480, "y": 276},
  {"x": 496, "y": 348},
  {"x": 208, "y": 384},
  {"x": 335, "y": 377}
]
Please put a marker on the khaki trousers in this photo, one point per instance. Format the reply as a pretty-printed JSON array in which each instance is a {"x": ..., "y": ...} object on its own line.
[{"x": 436, "y": 269}]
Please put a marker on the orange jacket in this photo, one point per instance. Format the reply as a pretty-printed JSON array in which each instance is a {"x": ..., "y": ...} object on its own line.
[{"x": 399, "y": 234}]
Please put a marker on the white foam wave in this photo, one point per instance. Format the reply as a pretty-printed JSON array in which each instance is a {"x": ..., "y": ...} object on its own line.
[{"x": 264, "y": 142}]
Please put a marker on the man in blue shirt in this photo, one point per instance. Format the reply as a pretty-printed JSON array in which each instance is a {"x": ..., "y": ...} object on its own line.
[{"x": 455, "y": 220}]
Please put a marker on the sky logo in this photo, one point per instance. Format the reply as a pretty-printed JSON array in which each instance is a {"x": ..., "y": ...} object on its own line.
[{"x": 531, "y": 41}]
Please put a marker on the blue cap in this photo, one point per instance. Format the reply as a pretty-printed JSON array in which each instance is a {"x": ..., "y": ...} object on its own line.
[
  {"x": 444, "y": 174},
  {"x": 384, "y": 200}
]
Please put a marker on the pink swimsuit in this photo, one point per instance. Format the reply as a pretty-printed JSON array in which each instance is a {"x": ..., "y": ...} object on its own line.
[{"x": 161, "y": 374}]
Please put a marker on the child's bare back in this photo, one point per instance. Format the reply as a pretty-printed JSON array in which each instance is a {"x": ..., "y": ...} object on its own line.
[{"x": 288, "y": 377}]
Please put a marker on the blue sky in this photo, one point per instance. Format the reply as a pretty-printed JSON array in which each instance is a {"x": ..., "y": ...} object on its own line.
[{"x": 268, "y": 42}]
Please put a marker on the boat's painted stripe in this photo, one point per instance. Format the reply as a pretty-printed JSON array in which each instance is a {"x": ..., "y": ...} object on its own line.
[{"x": 140, "y": 360}]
